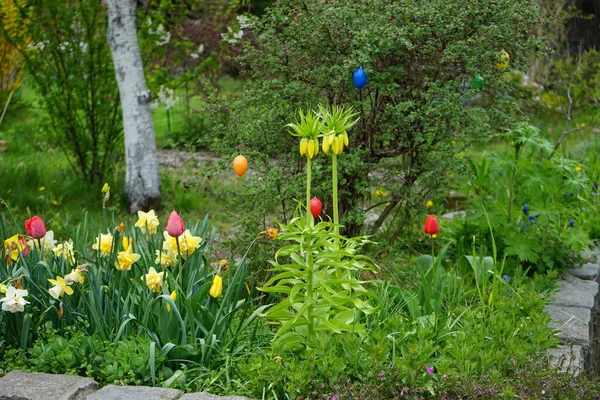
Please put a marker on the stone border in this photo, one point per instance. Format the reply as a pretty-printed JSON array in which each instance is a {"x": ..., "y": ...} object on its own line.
[
  {"x": 575, "y": 313},
  {"x": 19, "y": 385}
]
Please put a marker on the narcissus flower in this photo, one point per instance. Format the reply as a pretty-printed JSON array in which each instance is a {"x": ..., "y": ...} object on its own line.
[
  {"x": 60, "y": 287},
  {"x": 48, "y": 242},
  {"x": 35, "y": 227},
  {"x": 187, "y": 243},
  {"x": 75, "y": 276},
  {"x": 65, "y": 250},
  {"x": 154, "y": 280},
  {"x": 431, "y": 226},
  {"x": 15, "y": 245},
  {"x": 14, "y": 300},
  {"x": 429, "y": 204},
  {"x": 166, "y": 258},
  {"x": 125, "y": 259},
  {"x": 2, "y": 288},
  {"x": 217, "y": 287},
  {"x": 175, "y": 226},
  {"x": 147, "y": 222},
  {"x": 104, "y": 244}
]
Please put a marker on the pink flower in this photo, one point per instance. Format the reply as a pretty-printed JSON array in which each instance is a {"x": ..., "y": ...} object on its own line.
[
  {"x": 35, "y": 227},
  {"x": 429, "y": 369},
  {"x": 175, "y": 226}
]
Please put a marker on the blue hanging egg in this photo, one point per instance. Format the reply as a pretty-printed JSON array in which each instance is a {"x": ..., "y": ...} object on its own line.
[{"x": 359, "y": 76}]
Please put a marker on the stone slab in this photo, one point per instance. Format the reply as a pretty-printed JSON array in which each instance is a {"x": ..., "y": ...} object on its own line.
[
  {"x": 113, "y": 392},
  {"x": 19, "y": 385},
  {"x": 572, "y": 322},
  {"x": 456, "y": 214},
  {"x": 208, "y": 396},
  {"x": 576, "y": 292},
  {"x": 588, "y": 272},
  {"x": 569, "y": 358}
]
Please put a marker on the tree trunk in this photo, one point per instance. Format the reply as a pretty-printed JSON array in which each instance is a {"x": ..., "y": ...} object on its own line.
[{"x": 141, "y": 177}]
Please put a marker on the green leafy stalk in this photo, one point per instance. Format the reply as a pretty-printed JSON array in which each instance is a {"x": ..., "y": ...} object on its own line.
[
  {"x": 308, "y": 182},
  {"x": 334, "y": 179}
]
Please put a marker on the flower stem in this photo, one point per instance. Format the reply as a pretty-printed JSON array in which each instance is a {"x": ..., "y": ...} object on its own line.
[
  {"x": 309, "y": 291},
  {"x": 334, "y": 178},
  {"x": 308, "y": 180},
  {"x": 180, "y": 264}
]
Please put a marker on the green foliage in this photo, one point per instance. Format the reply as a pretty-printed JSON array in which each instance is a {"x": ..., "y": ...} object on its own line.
[
  {"x": 69, "y": 62},
  {"x": 535, "y": 204},
  {"x": 318, "y": 275},
  {"x": 417, "y": 56}
]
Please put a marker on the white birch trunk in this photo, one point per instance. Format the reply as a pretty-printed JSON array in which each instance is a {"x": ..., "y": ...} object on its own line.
[{"x": 141, "y": 177}]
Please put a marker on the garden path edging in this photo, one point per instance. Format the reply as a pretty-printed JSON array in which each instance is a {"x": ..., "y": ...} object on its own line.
[
  {"x": 575, "y": 313},
  {"x": 19, "y": 385}
]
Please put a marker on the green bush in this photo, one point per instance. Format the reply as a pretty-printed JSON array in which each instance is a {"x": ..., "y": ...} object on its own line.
[{"x": 420, "y": 58}]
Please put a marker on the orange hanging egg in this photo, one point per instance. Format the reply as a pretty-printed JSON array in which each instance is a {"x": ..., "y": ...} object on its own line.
[{"x": 240, "y": 165}]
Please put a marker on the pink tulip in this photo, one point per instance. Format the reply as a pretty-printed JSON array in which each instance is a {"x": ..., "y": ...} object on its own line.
[
  {"x": 35, "y": 227},
  {"x": 175, "y": 226}
]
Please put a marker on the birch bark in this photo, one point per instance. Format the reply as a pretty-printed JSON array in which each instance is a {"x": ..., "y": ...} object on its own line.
[{"x": 141, "y": 177}]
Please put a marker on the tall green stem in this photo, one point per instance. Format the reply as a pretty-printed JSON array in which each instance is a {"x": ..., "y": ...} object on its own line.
[
  {"x": 180, "y": 264},
  {"x": 308, "y": 179},
  {"x": 334, "y": 178},
  {"x": 309, "y": 290}
]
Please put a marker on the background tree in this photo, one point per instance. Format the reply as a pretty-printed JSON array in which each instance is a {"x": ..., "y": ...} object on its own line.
[
  {"x": 417, "y": 112},
  {"x": 64, "y": 52},
  {"x": 141, "y": 176}
]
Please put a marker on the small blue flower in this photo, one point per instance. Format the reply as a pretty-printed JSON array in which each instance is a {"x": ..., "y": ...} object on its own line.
[
  {"x": 571, "y": 223},
  {"x": 525, "y": 209},
  {"x": 505, "y": 277},
  {"x": 501, "y": 173},
  {"x": 596, "y": 185}
]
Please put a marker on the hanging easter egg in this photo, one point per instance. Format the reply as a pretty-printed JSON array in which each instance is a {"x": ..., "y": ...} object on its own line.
[
  {"x": 359, "y": 77},
  {"x": 503, "y": 60},
  {"x": 240, "y": 165},
  {"x": 315, "y": 207},
  {"x": 477, "y": 82}
]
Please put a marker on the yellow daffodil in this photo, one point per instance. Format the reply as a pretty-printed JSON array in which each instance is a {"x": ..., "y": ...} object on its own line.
[
  {"x": 126, "y": 242},
  {"x": 13, "y": 246},
  {"x": 173, "y": 297},
  {"x": 75, "y": 276},
  {"x": 125, "y": 259},
  {"x": 65, "y": 250},
  {"x": 223, "y": 264},
  {"x": 2, "y": 288},
  {"x": 105, "y": 188},
  {"x": 154, "y": 280},
  {"x": 217, "y": 287},
  {"x": 429, "y": 204},
  {"x": 166, "y": 258},
  {"x": 104, "y": 243},
  {"x": 147, "y": 221},
  {"x": 187, "y": 243},
  {"x": 60, "y": 287},
  {"x": 578, "y": 168}
]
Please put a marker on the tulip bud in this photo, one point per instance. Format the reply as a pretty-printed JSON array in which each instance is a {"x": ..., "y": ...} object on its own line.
[
  {"x": 175, "y": 225},
  {"x": 35, "y": 227},
  {"x": 431, "y": 226},
  {"x": 217, "y": 287}
]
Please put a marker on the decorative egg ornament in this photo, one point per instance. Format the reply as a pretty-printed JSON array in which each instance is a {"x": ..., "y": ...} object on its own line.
[
  {"x": 315, "y": 207},
  {"x": 503, "y": 60},
  {"x": 359, "y": 77},
  {"x": 477, "y": 82},
  {"x": 240, "y": 165}
]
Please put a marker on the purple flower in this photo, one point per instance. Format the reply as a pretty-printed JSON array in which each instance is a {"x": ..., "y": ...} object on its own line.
[
  {"x": 479, "y": 390},
  {"x": 525, "y": 209},
  {"x": 335, "y": 397},
  {"x": 505, "y": 278},
  {"x": 381, "y": 374},
  {"x": 429, "y": 369},
  {"x": 596, "y": 185},
  {"x": 571, "y": 223}
]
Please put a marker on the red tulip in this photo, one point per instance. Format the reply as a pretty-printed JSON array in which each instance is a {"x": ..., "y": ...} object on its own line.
[
  {"x": 175, "y": 226},
  {"x": 431, "y": 226},
  {"x": 35, "y": 227},
  {"x": 315, "y": 207}
]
